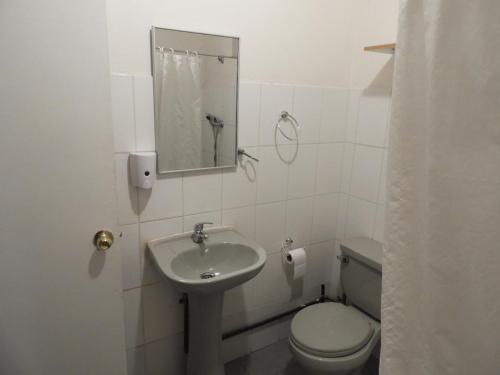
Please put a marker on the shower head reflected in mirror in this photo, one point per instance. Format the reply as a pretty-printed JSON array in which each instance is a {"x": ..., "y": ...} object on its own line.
[
  {"x": 215, "y": 121},
  {"x": 217, "y": 125}
]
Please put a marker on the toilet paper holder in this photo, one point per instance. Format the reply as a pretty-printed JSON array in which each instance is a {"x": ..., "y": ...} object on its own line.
[
  {"x": 344, "y": 259},
  {"x": 285, "y": 248}
]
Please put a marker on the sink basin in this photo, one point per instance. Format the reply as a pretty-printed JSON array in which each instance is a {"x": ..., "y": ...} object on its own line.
[
  {"x": 224, "y": 260},
  {"x": 204, "y": 271}
]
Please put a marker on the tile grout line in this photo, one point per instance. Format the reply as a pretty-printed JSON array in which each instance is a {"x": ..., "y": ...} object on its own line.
[
  {"x": 142, "y": 257},
  {"x": 259, "y": 170},
  {"x": 222, "y": 191},
  {"x": 337, "y": 191}
]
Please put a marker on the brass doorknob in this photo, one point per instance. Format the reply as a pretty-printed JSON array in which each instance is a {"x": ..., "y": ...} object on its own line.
[{"x": 103, "y": 240}]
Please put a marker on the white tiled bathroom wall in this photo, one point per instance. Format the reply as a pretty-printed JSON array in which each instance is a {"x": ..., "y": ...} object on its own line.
[
  {"x": 362, "y": 195},
  {"x": 326, "y": 188}
]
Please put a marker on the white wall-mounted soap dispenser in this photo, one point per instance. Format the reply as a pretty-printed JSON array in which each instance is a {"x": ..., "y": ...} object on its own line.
[{"x": 142, "y": 169}]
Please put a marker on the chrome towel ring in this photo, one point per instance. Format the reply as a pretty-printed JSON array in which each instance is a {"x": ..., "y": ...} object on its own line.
[{"x": 285, "y": 116}]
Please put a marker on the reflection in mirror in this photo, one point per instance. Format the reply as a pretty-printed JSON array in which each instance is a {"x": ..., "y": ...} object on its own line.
[{"x": 196, "y": 90}]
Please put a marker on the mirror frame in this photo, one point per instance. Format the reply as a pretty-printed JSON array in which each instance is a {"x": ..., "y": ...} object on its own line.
[{"x": 153, "y": 66}]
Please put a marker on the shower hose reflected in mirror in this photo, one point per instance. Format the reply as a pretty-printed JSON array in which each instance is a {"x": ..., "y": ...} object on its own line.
[{"x": 217, "y": 125}]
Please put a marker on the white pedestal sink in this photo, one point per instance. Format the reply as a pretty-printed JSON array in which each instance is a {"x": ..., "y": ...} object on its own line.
[{"x": 204, "y": 271}]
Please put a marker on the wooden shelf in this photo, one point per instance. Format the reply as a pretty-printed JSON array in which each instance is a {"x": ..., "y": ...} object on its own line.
[{"x": 382, "y": 48}]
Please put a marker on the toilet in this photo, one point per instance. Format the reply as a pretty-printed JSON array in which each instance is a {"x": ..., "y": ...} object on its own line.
[{"x": 335, "y": 338}]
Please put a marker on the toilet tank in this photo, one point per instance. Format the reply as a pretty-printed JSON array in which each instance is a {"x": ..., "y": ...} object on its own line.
[{"x": 361, "y": 274}]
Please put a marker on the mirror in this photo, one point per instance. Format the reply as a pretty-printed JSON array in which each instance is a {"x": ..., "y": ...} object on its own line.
[{"x": 195, "y": 80}]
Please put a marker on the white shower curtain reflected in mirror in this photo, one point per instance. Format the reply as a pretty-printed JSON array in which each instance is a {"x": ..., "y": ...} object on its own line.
[
  {"x": 441, "y": 269},
  {"x": 179, "y": 100}
]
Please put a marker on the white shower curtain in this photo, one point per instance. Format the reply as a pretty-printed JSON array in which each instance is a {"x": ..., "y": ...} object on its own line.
[
  {"x": 180, "y": 116},
  {"x": 441, "y": 275}
]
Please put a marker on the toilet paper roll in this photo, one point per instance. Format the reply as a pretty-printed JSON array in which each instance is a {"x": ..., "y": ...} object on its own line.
[{"x": 297, "y": 260}]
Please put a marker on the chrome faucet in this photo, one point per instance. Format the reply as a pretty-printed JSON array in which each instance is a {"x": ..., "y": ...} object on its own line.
[{"x": 198, "y": 236}]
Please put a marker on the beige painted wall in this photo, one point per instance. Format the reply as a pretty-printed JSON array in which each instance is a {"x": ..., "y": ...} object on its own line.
[{"x": 315, "y": 42}]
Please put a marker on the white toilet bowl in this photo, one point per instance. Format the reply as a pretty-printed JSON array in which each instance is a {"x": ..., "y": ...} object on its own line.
[{"x": 334, "y": 339}]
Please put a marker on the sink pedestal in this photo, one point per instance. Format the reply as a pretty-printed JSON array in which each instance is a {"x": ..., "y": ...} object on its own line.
[
  {"x": 224, "y": 260},
  {"x": 205, "y": 334}
]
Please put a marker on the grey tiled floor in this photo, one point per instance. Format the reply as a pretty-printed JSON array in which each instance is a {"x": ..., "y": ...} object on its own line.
[{"x": 276, "y": 359}]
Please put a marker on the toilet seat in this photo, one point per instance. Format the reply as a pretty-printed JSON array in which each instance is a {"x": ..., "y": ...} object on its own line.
[{"x": 331, "y": 330}]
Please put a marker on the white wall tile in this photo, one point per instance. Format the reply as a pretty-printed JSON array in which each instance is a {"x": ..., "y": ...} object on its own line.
[
  {"x": 383, "y": 180},
  {"x": 249, "y": 114},
  {"x": 166, "y": 356},
  {"x": 366, "y": 172},
  {"x": 360, "y": 218},
  {"x": 234, "y": 321},
  {"x": 243, "y": 219},
  {"x": 378, "y": 231},
  {"x": 239, "y": 185},
  {"x": 373, "y": 117},
  {"x": 307, "y": 104},
  {"x": 334, "y": 115},
  {"x": 329, "y": 172},
  {"x": 202, "y": 192},
  {"x": 389, "y": 118},
  {"x": 274, "y": 100},
  {"x": 208, "y": 217},
  {"x": 126, "y": 194},
  {"x": 163, "y": 315},
  {"x": 319, "y": 267},
  {"x": 270, "y": 226},
  {"x": 347, "y": 160},
  {"x": 352, "y": 121},
  {"x": 324, "y": 225},
  {"x": 258, "y": 313},
  {"x": 144, "y": 113},
  {"x": 332, "y": 289},
  {"x": 122, "y": 112},
  {"x": 302, "y": 172},
  {"x": 268, "y": 283},
  {"x": 150, "y": 231},
  {"x": 136, "y": 361},
  {"x": 164, "y": 200},
  {"x": 134, "y": 334},
  {"x": 130, "y": 256},
  {"x": 273, "y": 174},
  {"x": 343, "y": 206},
  {"x": 299, "y": 214},
  {"x": 239, "y": 299}
]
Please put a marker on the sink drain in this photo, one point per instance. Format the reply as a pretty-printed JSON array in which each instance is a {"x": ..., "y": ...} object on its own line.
[{"x": 207, "y": 275}]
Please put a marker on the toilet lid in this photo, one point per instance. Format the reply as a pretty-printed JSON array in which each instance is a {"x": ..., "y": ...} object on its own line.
[{"x": 331, "y": 330}]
